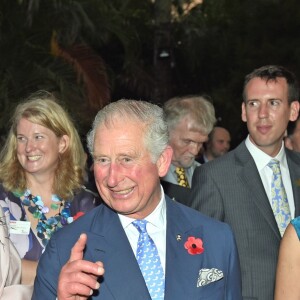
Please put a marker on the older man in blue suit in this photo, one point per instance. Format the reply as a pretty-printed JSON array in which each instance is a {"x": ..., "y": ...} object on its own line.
[{"x": 192, "y": 256}]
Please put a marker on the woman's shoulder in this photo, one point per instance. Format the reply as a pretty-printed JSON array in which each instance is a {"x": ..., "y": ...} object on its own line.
[
  {"x": 9, "y": 195},
  {"x": 296, "y": 224}
]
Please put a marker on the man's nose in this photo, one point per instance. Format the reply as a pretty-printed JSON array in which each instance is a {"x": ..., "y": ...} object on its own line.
[
  {"x": 263, "y": 111},
  {"x": 114, "y": 175},
  {"x": 194, "y": 148}
]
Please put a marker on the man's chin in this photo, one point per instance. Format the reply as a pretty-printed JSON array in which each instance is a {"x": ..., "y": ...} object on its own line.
[{"x": 187, "y": 164}]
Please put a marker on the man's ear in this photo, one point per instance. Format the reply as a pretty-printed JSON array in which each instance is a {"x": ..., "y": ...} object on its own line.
[
  {"x": 164, "y": 161},
  {"x": 63, "y": 143},
  {"x": 244, "y": 115},
  {"x": 294, "y": 111}
]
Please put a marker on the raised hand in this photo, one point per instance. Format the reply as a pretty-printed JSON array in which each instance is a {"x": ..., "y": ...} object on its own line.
[{"x": 78, "y": 277}]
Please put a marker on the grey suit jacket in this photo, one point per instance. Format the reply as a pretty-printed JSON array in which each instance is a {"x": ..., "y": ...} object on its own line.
[{"x": 230, "y": 189}]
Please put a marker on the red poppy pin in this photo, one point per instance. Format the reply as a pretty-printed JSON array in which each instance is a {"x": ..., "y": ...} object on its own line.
[
  {"x": 78, "y": 215},
  {"x": 194, "y": 245}
]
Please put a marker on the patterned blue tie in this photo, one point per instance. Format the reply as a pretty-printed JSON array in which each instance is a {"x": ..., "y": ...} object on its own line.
[
  {"x": 149, "y": 262},
  {"x": 280, "y": 203}
]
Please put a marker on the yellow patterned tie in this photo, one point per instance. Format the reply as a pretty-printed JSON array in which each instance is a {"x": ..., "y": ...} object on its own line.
[
  {"x": 181, "y": 178},
  {"x": 280, "y": 203}
]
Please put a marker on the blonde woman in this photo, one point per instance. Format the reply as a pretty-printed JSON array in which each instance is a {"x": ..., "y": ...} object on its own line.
[{"x": 41, "y": 174}]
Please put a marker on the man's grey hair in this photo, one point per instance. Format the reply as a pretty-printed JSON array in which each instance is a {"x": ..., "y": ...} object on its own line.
[
  {"x": 149, "y": 115},
  {"x": 198, "y": 109}
]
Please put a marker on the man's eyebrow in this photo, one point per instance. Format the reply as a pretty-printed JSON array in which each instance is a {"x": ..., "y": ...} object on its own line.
[{"x": 269, "y": 99}]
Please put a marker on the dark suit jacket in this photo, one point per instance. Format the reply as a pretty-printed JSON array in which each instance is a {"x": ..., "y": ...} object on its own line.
[
  {"x": 200, "y": 159},
  {"x": 107, "y": 242},
  {"x": 230, "y": 189},
  {"x": 176, "y": 192}
]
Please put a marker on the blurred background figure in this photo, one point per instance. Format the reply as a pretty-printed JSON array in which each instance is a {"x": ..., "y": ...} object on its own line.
[
  {"x": 292, "y": 140},
  {"x": 190, "y": 119},
  {"x": 217, "y": 145},
  {"x": 42, "y": 174},
  {"x": 288, "y": 267}
]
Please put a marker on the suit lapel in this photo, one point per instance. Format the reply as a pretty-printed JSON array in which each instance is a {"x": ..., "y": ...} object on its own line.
[
  {"x": 180, "y": 266},
  {"x": 250, "y": 178},
  {"x": 293, "y": 160},
  {"x": 123, "y": 278}
]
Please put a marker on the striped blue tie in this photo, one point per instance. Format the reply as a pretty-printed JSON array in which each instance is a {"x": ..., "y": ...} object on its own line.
[
  {"x": 280, "y": 203},
  {"x": 149, "y": 262}
]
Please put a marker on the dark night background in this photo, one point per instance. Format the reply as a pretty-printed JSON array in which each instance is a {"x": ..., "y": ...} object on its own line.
[{"x": 96, "y": 51}]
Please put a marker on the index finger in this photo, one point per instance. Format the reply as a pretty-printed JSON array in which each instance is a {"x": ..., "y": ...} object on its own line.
[{"x": 78, "y": 248}]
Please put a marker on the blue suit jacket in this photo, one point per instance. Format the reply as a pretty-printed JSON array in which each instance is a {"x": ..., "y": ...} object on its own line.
[{"x": 107, "y": 242}]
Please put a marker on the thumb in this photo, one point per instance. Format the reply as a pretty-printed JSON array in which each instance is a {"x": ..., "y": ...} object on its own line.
[{"x": 78, "y": 248}]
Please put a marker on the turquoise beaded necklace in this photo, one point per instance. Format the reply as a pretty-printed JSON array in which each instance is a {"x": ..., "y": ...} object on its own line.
[{"x": 46, "y": 227}]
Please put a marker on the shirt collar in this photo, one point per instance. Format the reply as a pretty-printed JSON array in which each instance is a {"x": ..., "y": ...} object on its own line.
[
  {"x": 157, "y": 218},
  {"x": 261, "y": 159}
]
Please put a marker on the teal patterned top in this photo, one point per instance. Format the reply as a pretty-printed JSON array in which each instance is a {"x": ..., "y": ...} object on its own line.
[{"x": 296, "y": 224}]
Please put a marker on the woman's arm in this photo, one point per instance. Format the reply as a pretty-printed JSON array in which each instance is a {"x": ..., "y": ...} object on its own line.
[
  {"x": 288, "y": 267},
  {"x": 28, "y": 271}
]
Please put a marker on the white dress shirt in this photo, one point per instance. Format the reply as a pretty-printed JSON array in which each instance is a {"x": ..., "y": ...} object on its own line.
[
  {"x": 156, "y": 228},
  {"x": 261, "y": 160}
]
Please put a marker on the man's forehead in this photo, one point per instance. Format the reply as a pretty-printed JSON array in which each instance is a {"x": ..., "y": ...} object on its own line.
[
  {"x": 221, "y": 133},
  {"x": 189, "y": 124},
  {"x": 116, "y": 134},
  {"x": 121, "y": 122},
  {"x": 195, "y": 136},
  {"x": 278, "y": 81}
]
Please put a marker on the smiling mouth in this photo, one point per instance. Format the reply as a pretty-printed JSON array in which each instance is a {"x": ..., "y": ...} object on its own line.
[
  {"x": 34, "y": 158},
  {"x": 123, "y": 192}
]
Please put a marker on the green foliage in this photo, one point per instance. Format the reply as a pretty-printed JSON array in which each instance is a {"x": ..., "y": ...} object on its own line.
[
  {"x": 212, "y": 45},
  {"x": 220, "y": 41}
]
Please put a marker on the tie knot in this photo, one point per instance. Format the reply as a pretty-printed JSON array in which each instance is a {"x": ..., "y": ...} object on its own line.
[
  {"x": 274, "y": 165},
  {"x": 179, "y": 170},
  {"x": 140, "y": 225}
]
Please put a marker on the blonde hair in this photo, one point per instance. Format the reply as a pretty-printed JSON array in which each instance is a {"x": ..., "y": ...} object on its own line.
[{"x": 42, "y": 108}]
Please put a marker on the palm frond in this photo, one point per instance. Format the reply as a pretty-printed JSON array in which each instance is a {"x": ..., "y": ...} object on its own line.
[{"x": 90, "y": 69}]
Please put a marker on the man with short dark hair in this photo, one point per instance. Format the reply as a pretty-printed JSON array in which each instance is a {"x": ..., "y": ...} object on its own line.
[{"x": 255, "y": 188}]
